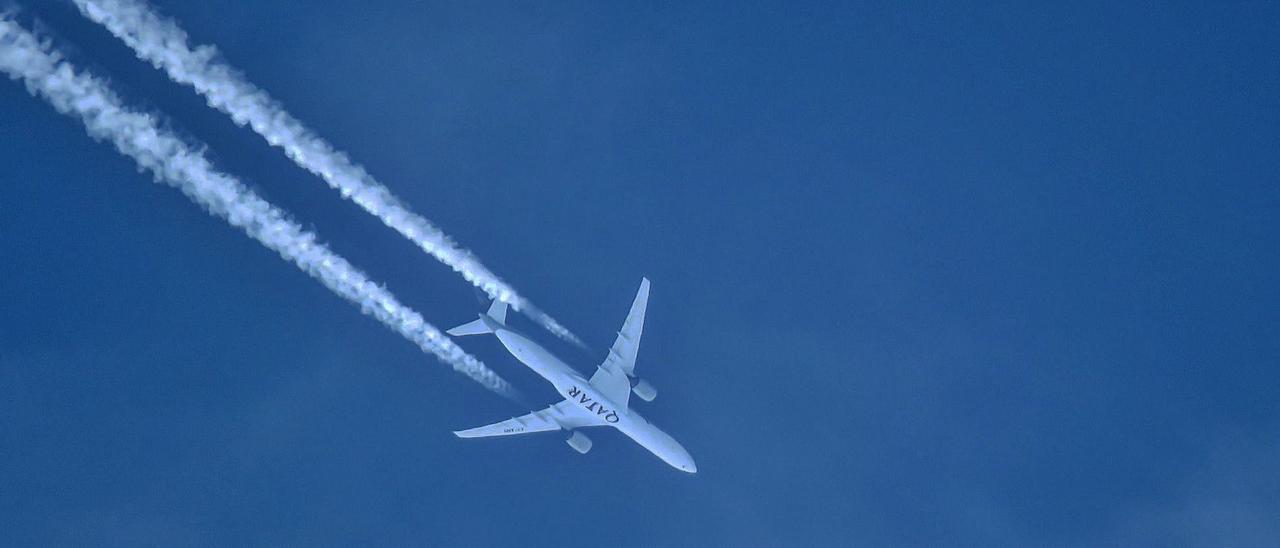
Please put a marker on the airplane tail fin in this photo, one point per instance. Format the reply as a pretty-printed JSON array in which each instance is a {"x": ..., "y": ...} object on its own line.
[
  {"x": 496, "y": 316},
  {"x": 498, "y": 311}
]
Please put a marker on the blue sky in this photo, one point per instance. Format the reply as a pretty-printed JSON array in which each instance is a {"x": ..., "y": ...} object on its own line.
[{"x": 923, "y": 274}]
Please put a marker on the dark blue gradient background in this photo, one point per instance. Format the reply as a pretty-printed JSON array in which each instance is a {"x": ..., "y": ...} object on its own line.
[{"x": 924, "y": 274}]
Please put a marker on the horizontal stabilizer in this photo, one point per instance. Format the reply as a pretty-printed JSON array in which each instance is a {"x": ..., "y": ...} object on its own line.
[
  {"x": 495, "y": 318},
  {"x": 476, "y": 327}
]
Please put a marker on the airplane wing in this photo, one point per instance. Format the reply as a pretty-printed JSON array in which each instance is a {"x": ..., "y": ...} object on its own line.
[
  {"x": 613, "y": 384},
  {"x": 561, "y": 415},
  {"x": 611, "y": 377}
]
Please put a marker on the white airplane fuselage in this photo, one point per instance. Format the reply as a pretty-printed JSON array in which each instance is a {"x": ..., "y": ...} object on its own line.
[{"x": 576, "y": 389}]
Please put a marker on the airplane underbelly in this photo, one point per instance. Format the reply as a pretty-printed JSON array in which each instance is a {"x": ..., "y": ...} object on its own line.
[
  {"x": 656, "y": 441},
  {"x": 533, "y": 356}
]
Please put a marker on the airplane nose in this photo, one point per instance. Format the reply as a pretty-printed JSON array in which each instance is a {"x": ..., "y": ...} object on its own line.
[{"x": 688, "y": 465}]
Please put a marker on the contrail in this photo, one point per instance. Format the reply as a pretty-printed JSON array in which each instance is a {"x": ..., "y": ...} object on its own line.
[
  {"x": 46, "y": 74},
  {"x": 162, "y": 43}
]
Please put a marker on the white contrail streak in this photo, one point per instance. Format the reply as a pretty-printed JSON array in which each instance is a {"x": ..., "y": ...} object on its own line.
[
  {"x": 162, "y": 43},
  {"x": 25, "y": 57}
]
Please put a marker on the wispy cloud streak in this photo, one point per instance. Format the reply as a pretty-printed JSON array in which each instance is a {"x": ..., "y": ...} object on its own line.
[
  {"x": 159, "y": 41},
  {"x": 46, "y": 74}
]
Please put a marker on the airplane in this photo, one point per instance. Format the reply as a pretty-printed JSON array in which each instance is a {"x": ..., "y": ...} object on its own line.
[{"x": 598, "y": 401}]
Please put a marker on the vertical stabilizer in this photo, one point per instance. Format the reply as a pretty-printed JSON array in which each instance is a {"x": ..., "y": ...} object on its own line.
[{"x": 498, "y": 311}]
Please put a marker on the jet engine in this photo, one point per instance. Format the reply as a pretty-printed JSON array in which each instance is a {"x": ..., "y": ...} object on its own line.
[
  {"x": 643, "y": 389},
  {"x": 579, "y": 442}
]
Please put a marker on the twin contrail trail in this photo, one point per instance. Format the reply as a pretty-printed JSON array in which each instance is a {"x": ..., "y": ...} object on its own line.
[
  {"x": 46, "y": 74},
  {"x": 162, "y": 43}
]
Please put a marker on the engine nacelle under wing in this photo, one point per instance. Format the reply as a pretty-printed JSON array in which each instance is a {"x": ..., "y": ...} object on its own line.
[
  {"x": 579, "y": 442},
  {"x": 643, "y": 389}
]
